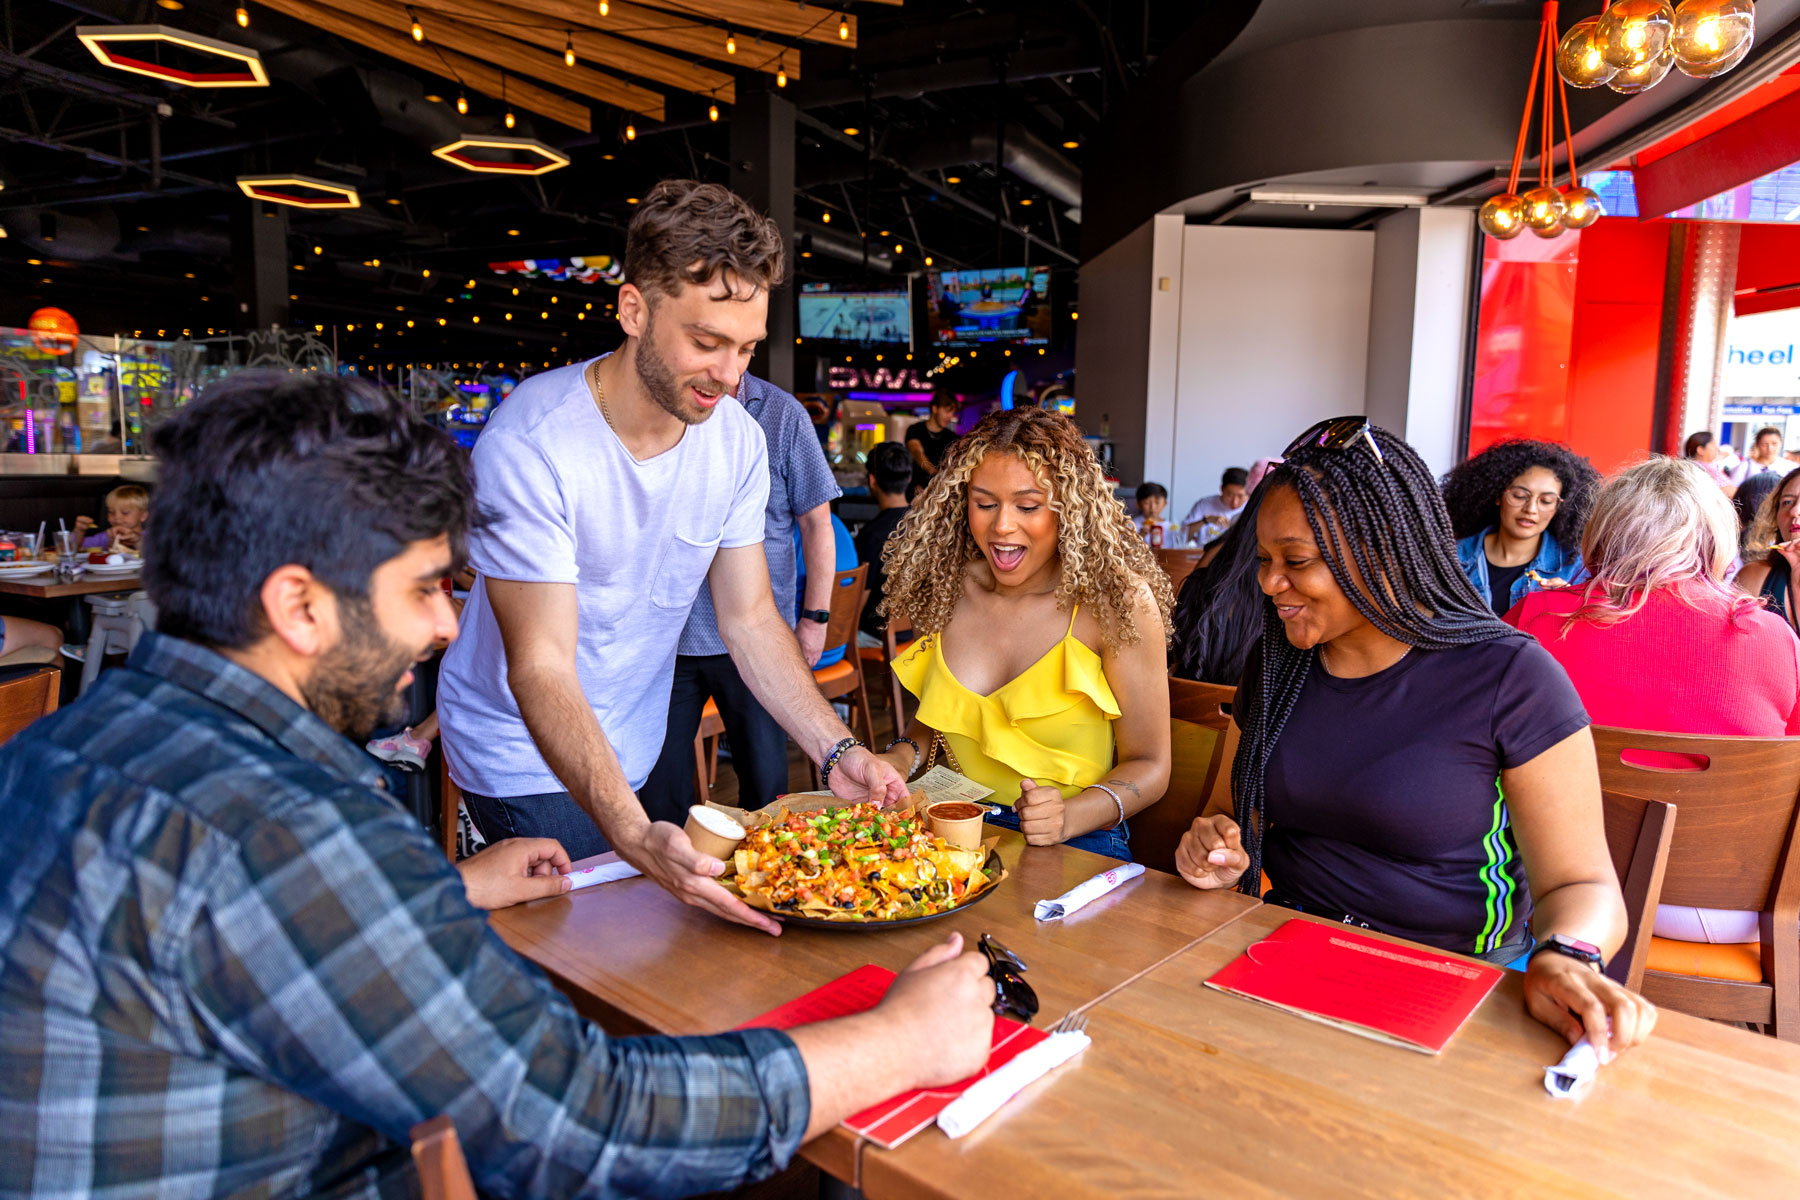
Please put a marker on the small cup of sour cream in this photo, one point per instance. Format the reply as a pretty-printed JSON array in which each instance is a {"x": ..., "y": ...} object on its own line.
[{"x": 712, "y": 832}]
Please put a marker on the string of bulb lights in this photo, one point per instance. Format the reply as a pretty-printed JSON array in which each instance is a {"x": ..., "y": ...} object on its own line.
[{"x": 1630, "y": 47}]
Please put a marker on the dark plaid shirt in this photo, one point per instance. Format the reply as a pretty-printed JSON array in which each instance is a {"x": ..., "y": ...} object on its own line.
[{"x": 229, "y": 964}]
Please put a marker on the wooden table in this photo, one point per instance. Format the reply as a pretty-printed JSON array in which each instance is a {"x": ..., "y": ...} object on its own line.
[
  {"x": 48, "y": 587},
  {"x": 635, "y": 959},
  {"x": 1190, "y": 1091}
]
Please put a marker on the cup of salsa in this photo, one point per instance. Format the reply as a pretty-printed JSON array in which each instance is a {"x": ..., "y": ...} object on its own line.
[{"x": 958, "y": 822}]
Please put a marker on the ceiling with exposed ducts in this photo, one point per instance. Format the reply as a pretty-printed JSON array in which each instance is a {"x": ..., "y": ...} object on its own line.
[{"x": 120, "y": 187}]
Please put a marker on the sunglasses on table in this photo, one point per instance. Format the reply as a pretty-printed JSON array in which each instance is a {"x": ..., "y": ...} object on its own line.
[
  {"x": 1337, "y": 433},
  {"x": 1013, "y": 997}
]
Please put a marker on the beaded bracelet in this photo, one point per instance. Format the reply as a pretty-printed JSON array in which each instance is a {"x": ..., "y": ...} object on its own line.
[
  {"x": 916, "y": 752},
  {"x": 831, "y": 760},
  {"x": 1101, "y": 787}
]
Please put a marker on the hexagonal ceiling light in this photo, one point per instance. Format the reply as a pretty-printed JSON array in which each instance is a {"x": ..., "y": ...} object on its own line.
[
  {"x": 301, "y": 191},
  {"x": 174, "y": 55},
  {"x": 502, "y": 155}
]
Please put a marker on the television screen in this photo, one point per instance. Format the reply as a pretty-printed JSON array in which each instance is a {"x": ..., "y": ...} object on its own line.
[
  {"x": 1005, "y": 304},
  {"x": 862, "y": 317}
]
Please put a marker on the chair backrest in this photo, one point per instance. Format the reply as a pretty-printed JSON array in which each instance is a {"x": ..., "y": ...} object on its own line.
[
  {"x": 1638, "y": 834},
  {"x": 895, "y": 627},
  {"x": 1178, "y": 564},
  {"x": 26, "y": 696},
  {"x": 1202, "y": 740},
  {"x": 1734, "y": 847},
  {"x": 846, "y": 606},
  {"x": 438, "y": 1156}
]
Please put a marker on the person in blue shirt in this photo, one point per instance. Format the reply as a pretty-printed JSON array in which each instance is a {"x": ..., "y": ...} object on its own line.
[
  {"x": 1518, "y": 509},
  {"x": 844, "y": 559}
]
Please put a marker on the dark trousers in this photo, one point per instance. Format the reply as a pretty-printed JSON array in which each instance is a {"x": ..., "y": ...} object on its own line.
[{"x": 758, "y": 745}]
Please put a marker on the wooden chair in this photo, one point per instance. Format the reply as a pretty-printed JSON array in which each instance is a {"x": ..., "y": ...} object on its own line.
[
  {"x": 898, "y": 631},
  {"x": 1178, "y": 564},
  {"x": 26, "y": 694},
  {"x": 449, "y": 802},
  {"x": 844, "y": 679},
  {"x": 1637, "y": 833},
  {"x": 1203, "y": 740},
  {"x": 706, "y": 750},
  {"x": 438, "y": 1156},
  {"x": 1737, "y": 847}
]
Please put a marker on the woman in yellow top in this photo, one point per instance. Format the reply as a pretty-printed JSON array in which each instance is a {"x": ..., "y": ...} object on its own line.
[{"x": 1042, "y": 655}]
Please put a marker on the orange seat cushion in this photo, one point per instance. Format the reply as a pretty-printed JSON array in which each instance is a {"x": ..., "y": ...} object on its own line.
[
  {"x": 837, "y": 672},
  {"x": 874, "y": 654},
  {"x": 1738, "y": 962},
  {"x": 711, "y": 709}
]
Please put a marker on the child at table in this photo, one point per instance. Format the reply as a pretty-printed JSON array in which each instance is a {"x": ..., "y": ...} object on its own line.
[
  {"x": 127, "y": 508},
  {"x": 1152, "y": 503}
]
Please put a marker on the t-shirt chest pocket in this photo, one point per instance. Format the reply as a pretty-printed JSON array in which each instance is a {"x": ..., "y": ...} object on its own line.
[{"x": 683, "y": 568}]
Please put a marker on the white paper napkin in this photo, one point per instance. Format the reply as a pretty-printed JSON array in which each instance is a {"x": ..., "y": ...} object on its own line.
[
  {"x": 985, "y": 1096},
  {"x": 1571, "y": 1078},
  {"x": 1084, "y": 894},
  {"x": 601, "y": 873}
]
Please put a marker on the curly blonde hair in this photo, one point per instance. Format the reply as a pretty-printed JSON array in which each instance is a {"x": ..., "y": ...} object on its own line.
[
  {"x": 1104, "y": 560},
  {"x": 1765, "y": 532}
]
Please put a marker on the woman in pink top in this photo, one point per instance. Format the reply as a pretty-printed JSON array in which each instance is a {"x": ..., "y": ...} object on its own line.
[{"x": 1659, "y": 640}]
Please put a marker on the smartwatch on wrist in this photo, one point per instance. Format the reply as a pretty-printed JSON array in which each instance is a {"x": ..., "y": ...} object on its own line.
[
  {"x": 1575, "y": 948},
  {"x": 821, "y": 615}
]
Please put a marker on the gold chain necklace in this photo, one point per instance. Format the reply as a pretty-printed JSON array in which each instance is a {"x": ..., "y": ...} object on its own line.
[{"x": 600, "y": 393}]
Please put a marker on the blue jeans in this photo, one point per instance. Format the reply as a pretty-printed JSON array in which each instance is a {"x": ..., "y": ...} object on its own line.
[
  {"x": 548, "y": 814},
  {"x": 1111, "y": 843}
]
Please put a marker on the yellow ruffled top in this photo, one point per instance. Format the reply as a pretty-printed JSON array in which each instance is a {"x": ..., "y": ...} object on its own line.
[{"x": 1051, "y": 723}]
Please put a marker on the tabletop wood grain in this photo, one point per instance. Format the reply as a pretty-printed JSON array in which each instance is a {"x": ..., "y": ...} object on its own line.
[
  {"x": 634, "y": 959},
  {"x": 48, "y": 587},
  {"x": 1190, "y": 1091}
]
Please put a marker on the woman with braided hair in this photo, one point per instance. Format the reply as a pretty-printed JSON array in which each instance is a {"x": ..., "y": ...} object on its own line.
[
  {"x": 1043, "y": 618},
  {"x": 1410, "y": 763}
]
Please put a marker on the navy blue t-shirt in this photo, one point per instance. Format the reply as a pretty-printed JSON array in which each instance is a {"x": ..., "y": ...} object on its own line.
[{"x": 1382, "y": 799}]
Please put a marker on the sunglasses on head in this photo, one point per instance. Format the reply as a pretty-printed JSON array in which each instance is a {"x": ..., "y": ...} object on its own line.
[
  {"x": 1337, "y": 433},
  {"x": 1013, "y": 997}
]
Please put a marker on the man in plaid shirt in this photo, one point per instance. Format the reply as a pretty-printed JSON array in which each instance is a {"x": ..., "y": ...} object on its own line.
[{"x": 230, "y": 963}]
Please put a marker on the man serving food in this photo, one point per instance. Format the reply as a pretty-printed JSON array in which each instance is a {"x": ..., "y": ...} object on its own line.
[{"x": 554, "y": 699}]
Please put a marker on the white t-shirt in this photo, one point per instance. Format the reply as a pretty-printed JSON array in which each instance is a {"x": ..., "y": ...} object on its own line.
[{"x": 566, "y": 503}]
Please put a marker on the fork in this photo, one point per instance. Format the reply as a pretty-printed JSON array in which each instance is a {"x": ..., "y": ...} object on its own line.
[{"x": 1072, "y": 1022}]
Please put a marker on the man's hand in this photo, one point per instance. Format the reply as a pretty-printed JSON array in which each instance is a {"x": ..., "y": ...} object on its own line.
[
  {"x": 812, "y": 641},
  {"x": 1211, "y": 853},
  {"x": 665, "y": 854},
  {"x": 514, "y": 871},
  {"x": 1577, "y": 1001},
  {"x": 946, "y": 1000},
  {"x": 1041, "y": 814},
  {"x": 862, "y": 775}
]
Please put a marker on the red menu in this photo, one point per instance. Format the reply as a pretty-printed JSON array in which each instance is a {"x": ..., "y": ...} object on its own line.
[
  {"x": 1393, "y": 992},
  {"x": 892, "y": 1121}
]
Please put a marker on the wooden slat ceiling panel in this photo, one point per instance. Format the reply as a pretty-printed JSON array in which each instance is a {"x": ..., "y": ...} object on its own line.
[
  {"x": 813, "y": 22},
  {"x": 670, "y": 30},
  {"x": 477, "y": 76},
  {"x": 515, "y": 57},
  {"x": 541, "y": 28}
]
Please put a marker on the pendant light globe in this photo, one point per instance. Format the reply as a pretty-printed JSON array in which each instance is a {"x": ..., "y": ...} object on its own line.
[
  {"x": 1581, "y": 56},
  {"x": 1543, "y": 211},
  {"x": 1636, "y": 32},
  {"x": 1642, "y": 79},
  {"x": 1581, "y": 207},
  {"x": 1712, "y": 36},
  {"x": 1503, "y": 216}
]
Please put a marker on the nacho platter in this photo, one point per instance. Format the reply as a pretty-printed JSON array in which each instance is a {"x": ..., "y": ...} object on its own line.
[{"x": 823, "y": 863}]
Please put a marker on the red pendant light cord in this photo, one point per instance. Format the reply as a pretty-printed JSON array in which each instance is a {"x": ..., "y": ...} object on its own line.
[
  {"x": 1512, "y": 180},
  {"x": 1547, "y": 141}
]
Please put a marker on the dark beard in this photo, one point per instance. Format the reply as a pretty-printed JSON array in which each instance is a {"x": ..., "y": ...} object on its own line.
[
  {"x": 352, "y": 688},
  {"x": 659, "y": 381}
]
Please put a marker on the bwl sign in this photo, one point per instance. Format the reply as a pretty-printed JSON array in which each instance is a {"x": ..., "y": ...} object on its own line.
[{"x": 881, "y": 379}]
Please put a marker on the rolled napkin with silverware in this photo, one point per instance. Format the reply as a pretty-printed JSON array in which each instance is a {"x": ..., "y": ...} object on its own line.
[
  {"x": 985, "y": 1096},
  {"x": 1571, "y": 1078},
  {"x": 1085, "y": 893}
]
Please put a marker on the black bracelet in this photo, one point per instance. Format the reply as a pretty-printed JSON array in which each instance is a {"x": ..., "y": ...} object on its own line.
[
  {"x": 831, "y": 760},
  {"x": 916, "y": 752}
]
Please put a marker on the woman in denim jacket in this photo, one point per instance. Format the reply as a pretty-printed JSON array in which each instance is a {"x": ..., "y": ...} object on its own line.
[{"x": 1518, "y": 509}]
